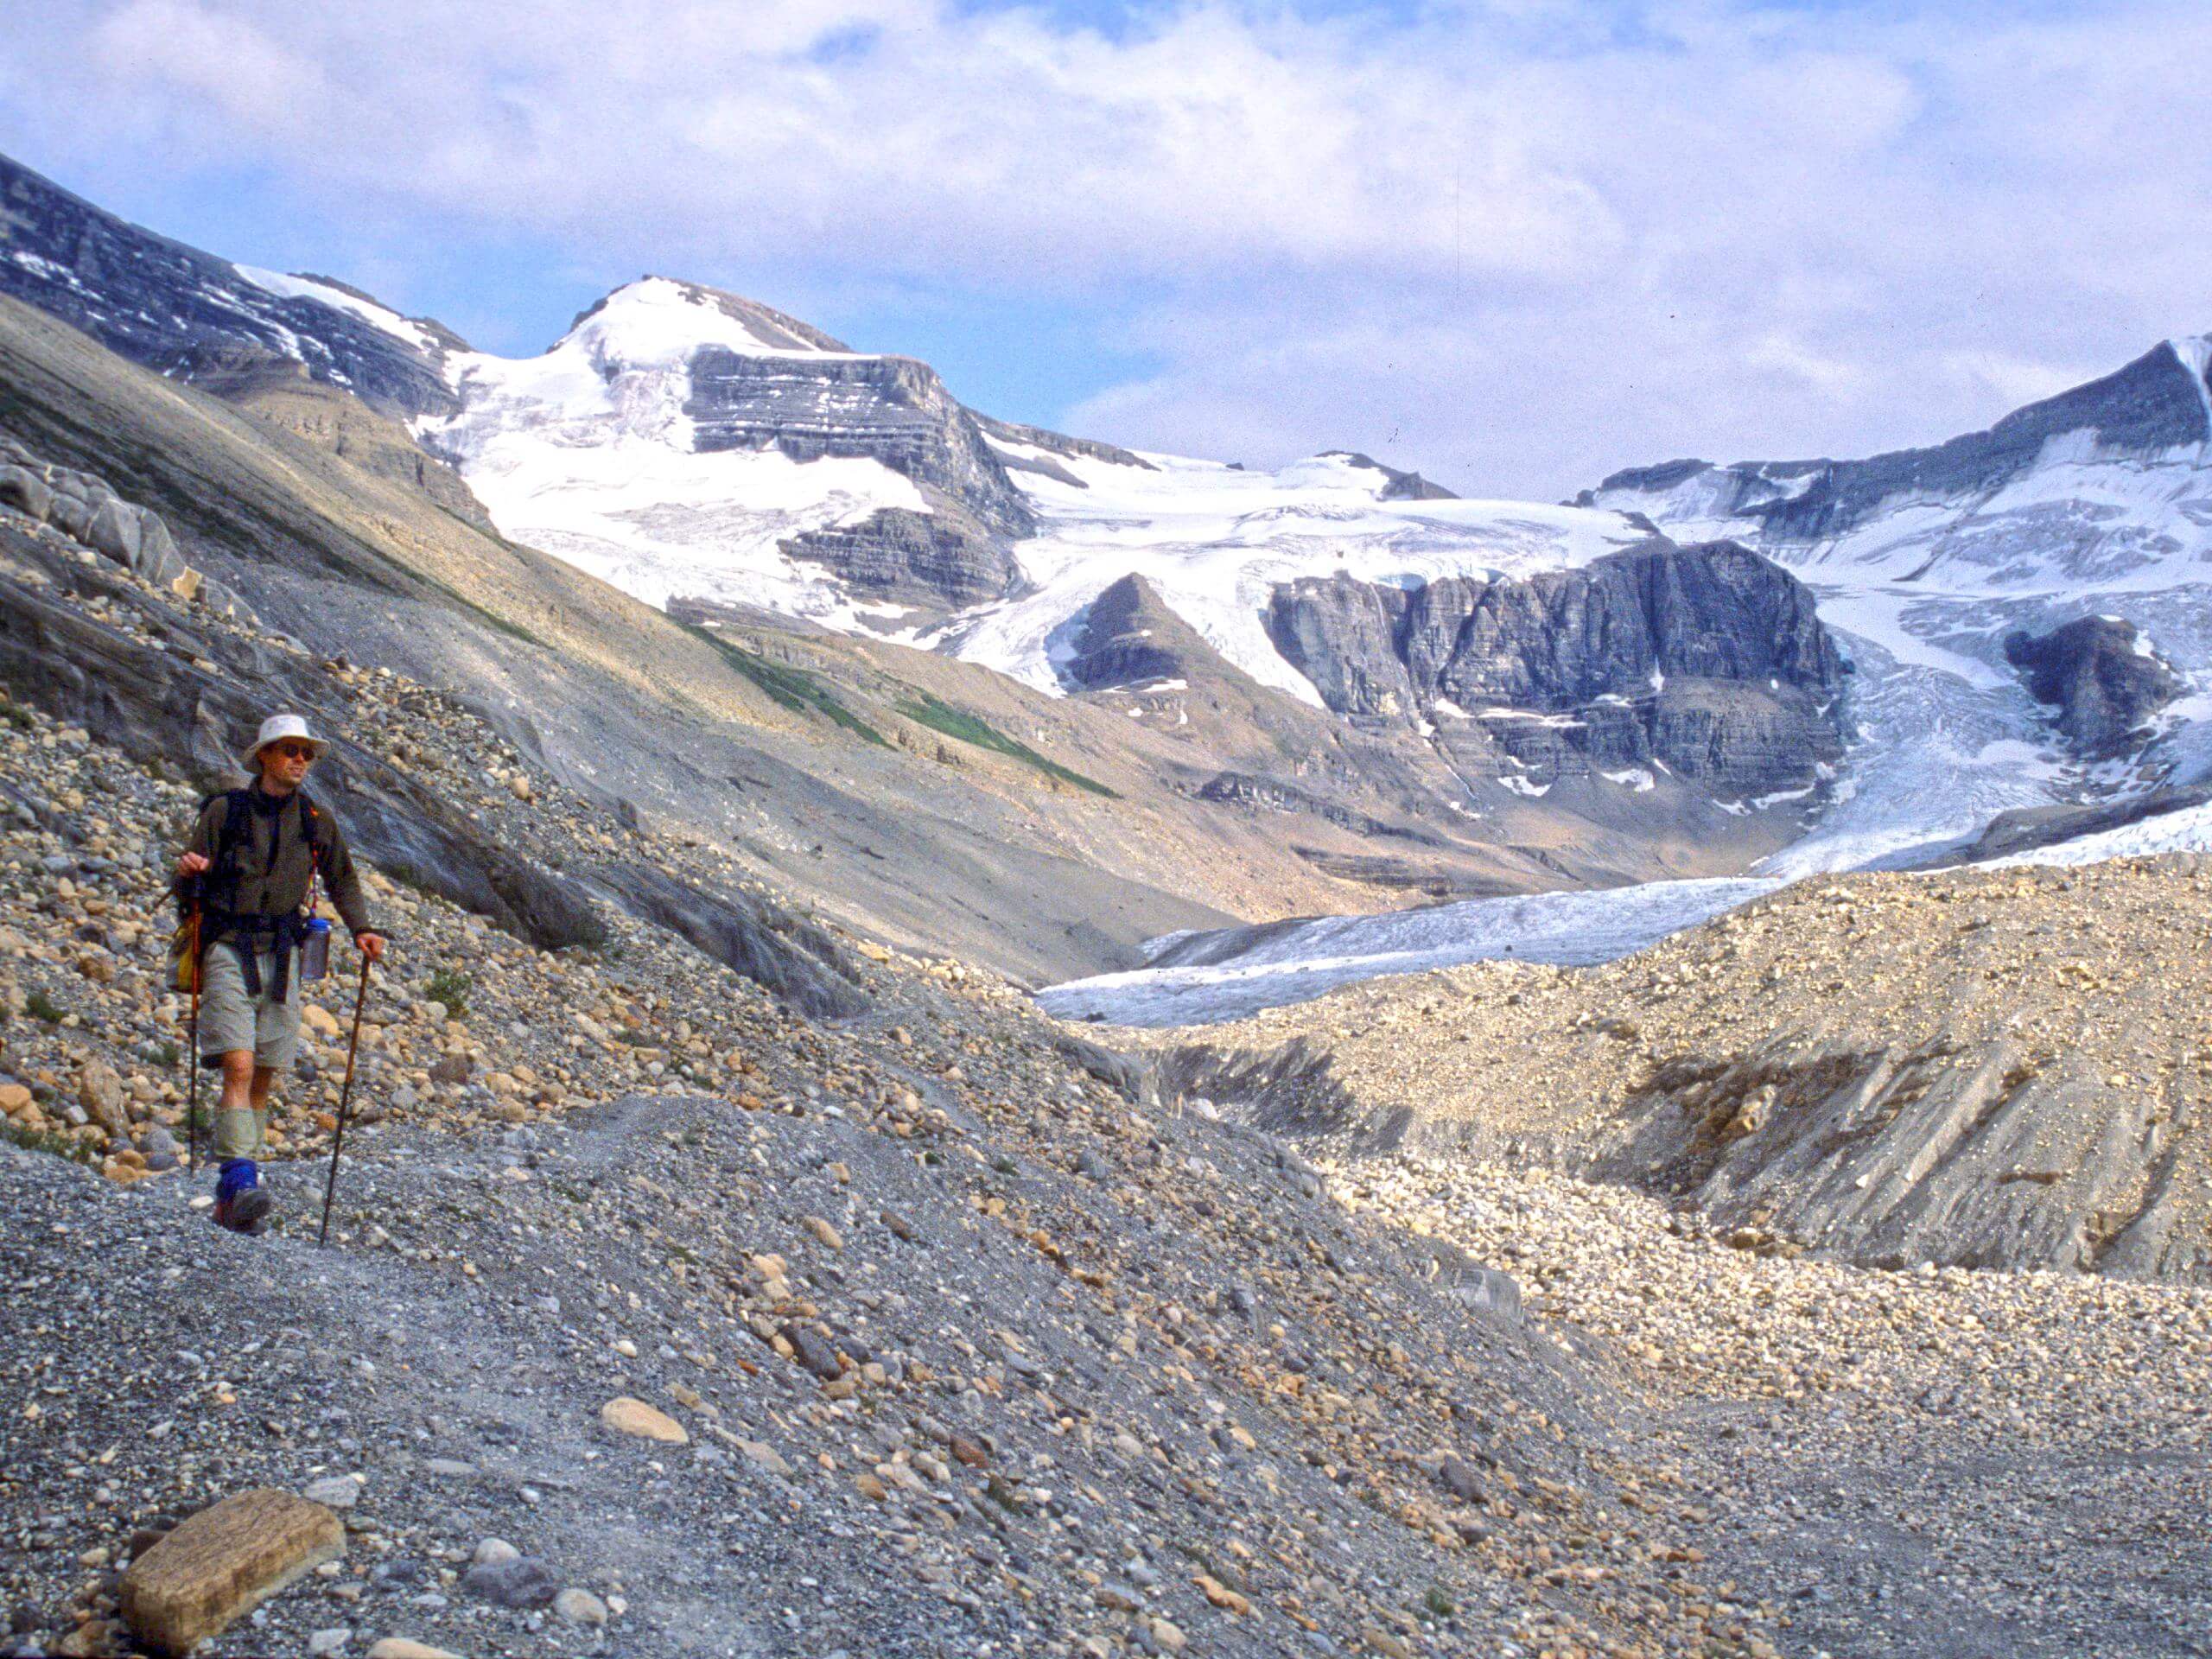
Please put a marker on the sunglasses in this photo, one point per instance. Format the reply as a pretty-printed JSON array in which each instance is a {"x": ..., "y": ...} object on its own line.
[{"x": 294, "y": 751}]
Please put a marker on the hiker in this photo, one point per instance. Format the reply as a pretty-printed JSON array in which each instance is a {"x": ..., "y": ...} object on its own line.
[{"x": 253, "y": 860}]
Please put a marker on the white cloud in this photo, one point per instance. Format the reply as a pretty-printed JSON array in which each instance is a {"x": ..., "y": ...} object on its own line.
[{"x": 1515, "y": 245}]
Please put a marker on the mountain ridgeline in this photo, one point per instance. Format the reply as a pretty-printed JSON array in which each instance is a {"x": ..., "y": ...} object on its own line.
[
  {"x": 1686, "y": 670},
  {"x": 2160, "y": 401},
  {"x": 709, "y": 454}
]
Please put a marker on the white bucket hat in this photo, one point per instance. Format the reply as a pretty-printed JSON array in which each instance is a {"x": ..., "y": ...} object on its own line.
[{"x": 276, "y": 729}]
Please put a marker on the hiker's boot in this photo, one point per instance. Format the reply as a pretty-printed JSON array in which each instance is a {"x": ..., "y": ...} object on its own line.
[{"x": 242, "y": 1203}]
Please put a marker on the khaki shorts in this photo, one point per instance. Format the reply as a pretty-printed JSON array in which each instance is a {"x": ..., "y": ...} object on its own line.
[{"x": 231, "y": 1019}]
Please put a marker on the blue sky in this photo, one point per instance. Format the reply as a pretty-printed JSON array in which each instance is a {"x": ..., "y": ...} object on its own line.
[{"x": 1515, "y": 245}]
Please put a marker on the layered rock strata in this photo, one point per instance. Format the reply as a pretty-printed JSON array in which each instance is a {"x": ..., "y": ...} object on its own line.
[{"x": 1708, "y": 659}]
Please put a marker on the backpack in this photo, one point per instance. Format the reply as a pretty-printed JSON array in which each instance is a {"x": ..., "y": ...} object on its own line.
[{"x": 185, "y": 947}]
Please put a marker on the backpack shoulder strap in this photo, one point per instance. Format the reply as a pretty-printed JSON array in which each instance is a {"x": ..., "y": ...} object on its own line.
[
  {"x": 236, "y": 809},
  {"x": 316, "y": 822}
]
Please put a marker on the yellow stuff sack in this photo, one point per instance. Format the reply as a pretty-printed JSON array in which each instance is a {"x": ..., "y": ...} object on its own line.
[{"x": 184, "y": 954}]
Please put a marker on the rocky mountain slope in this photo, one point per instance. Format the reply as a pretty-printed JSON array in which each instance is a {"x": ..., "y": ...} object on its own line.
[
  {"x": 688, "y": 445},
  {"x": 1999, "y": 1068},
  {"x": 190, "y": 314},
  {"x": 884, "y": 784},
  {"x": 665, "y": 1318},
  {"x": 950, "y": 1335}
]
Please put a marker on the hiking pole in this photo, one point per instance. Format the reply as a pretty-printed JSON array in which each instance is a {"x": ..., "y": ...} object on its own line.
[
  {"x": 192, "y": 1029},
  {"x": 345, "y": 1097},
  {"x": 192, "y": 1089}
]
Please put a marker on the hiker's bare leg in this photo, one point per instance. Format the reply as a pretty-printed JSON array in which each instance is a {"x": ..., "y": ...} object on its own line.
[{"x": 239, "y": 1119}]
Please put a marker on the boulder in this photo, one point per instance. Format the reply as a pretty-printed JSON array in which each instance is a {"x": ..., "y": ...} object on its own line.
[
  {"x": 222, "y": 1562},
  {"x": 69, "y": 514},
  {"x": 26, "y": 491},
  {"x": 812, "y": 1351},
  {"x": 116, "y": 532},
  {"x": 99, "y": 1091},
  {"x": 334, "y": 1491},
  {"x": 523, "y": 1583},
  {"x": 580, "y": 1606},
  {"x": 626, "y": 1415},
  {"x": 158, "y": 560}
]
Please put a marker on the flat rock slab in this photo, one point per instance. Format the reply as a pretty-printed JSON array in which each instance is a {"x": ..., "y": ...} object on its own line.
[
  {"x": 400, "y": 1646},
  {"x": 222, "y": 1562},
  {"x": 627, "y": 1416}
]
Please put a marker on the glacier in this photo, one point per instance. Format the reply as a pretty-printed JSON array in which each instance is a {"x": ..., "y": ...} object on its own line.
[{"x": 1214, "y": 540}]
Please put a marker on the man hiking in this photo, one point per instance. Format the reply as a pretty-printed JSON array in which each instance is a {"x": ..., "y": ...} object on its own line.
[{"x": 251, "y": 865}]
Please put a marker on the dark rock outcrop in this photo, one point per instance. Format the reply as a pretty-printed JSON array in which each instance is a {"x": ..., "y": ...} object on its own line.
[
  {"x": 182, "y": 312},
  {"x": 1708, "y": 658},
  {"x": 2097, "y": 673},
  {"x": 936, "y": 559},
  {"x": 1128, "y": 636},
  {"x": 1401, "y": 486},
  {"x": 794, "y": 958},
  {"x": 892, "y": 410}
]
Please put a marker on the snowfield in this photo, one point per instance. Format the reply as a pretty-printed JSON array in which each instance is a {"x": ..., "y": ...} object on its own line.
[
  {"x": 587, "y": 453},
  {"x": 1213, "y": 540},
  {"x": 305, "y": 288}
]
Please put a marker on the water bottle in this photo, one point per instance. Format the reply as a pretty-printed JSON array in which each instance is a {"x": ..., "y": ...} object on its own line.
[{"x": 315, "y": 949}]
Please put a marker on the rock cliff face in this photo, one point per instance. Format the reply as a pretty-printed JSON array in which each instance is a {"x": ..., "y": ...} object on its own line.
[
  {"x": 2102, "y": 677},
  {"x": 929, "y": 560},
  {"x": 1707, "y": 659},
  {"x": 893, "y": 410},
  {"x": 1129, "y": 637},
  {"x": 890, "y": 410},
  {"x": 183, "y": 313}
]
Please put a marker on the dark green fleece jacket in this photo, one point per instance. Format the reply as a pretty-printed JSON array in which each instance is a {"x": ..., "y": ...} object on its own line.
[{"x": 270, "y": 865}]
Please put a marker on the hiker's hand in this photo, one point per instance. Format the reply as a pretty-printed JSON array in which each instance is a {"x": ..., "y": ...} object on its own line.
[
  {"x": 191, "y": 864},
  {"x": 371, "y": 945}
]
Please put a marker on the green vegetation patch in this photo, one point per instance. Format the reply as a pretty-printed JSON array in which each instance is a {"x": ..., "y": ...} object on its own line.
[
  {"x": 789, "y": 688},
  {"x": 47, "y": 1141},
  {"x": 451, "y": 989},
  {"x": 954, "y": 723}
]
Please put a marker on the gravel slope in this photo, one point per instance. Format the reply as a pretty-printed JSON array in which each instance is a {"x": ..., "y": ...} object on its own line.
[
  {"x": 1998, "y": 1068},
  {"x": 1941, "y": 1462}
]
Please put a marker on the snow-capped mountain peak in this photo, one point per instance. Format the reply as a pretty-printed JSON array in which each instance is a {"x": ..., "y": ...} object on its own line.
[
  {"x": 659, "y": 321},
  {"x": 405, "y": 330},
  {"x": 604, "y": 450}
]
